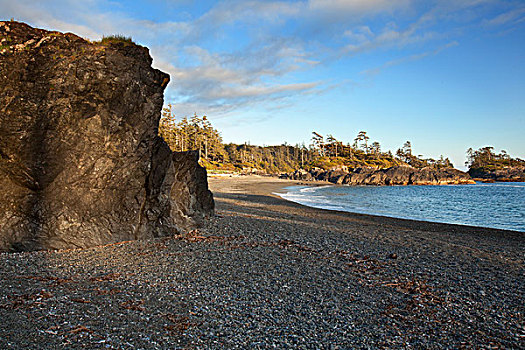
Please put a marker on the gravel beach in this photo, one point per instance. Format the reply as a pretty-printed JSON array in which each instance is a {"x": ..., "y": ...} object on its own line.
[{"x": 268, "y": 273}]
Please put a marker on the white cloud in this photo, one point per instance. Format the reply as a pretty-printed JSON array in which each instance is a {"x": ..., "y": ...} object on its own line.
[
  {"x": 359, "y": 34},
  {"x": 513, "y": 16},
  {"x": 356, "y": 7},
  {"x": 260, "y": 90},
  {"x": 223, "y": 81},
  {"x": 411, "y": 58},
  {"x": 231, "y": 11},
  {"x": 388, "y": 37},
  {"x": 38, "y": 14},
  {"x": 281, "y": 39}
]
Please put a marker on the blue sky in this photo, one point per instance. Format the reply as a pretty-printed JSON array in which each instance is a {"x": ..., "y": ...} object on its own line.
[{"x": 445, "y": 74}]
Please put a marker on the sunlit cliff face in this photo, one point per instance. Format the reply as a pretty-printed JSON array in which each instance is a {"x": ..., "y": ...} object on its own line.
[{"x": 82, "y": 160}]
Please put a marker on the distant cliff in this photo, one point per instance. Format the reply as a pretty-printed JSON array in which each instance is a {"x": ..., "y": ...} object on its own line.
[
  {"x": 399, "y": 175},
  {"x": 506, "y": 174},
  {"x": 81, "y": 163}
]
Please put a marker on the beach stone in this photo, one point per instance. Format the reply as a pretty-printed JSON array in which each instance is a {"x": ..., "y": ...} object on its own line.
[{"x": 81, "y": 163}]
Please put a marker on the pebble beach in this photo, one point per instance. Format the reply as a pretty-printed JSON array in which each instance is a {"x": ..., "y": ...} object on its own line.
[{"x": 268, "y": 273}]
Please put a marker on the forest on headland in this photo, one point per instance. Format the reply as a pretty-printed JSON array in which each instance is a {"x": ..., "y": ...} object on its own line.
[{"x": 324, "y": 151}]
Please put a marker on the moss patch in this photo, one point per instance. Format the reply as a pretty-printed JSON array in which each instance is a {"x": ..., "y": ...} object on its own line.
[{"x": 116, "y": 38}]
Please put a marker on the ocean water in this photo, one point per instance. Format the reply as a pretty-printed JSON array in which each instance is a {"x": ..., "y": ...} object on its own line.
[{"x": 495, "y": 205}]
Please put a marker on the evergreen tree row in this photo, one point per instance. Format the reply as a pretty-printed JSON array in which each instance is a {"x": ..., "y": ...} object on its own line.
[
  {"x": 197, "y": 133},
  {"x": 486, "y": 159}
]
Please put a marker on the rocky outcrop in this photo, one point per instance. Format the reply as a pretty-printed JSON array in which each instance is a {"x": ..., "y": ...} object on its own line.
[
  {"x": 507, "y": 174},
  {"x": 80, "y": 160},
  {"x": 401, "y": 175},
  {"x": 190, "y": 188}
]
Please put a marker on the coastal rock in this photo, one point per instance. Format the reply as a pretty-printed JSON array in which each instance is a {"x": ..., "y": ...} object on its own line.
[
  {"x": 300, "y": 174},
  {"x": 80, "y": 160},
  {"x": 192, "y": 201},
  {"x": 506, "y": 174},
  {"x": 399, "y": 175},
  {"x": 336, "y": 176},
  {"x": 447, "y": 176}
]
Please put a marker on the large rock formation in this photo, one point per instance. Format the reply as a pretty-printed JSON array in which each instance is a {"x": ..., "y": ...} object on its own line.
[
  {"x": 506, "y": 174},
  {"x": 80, "y": 160},
  {"x": 399, "y": 175}
]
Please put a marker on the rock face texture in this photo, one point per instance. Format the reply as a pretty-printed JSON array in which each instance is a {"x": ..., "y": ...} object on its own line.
[
  {"x": 400, "y": 175},
  {"x": 80, "y": 160},
  {"x": 508, "y": 174}
]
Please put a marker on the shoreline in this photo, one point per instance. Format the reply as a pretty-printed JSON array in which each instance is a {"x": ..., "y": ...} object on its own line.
[
  {"x": 270, "y": 185},
  {"x": 490, "y": 181}
]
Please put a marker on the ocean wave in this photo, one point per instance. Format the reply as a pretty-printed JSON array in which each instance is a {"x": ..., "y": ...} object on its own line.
[
  {"x": 503, "y": 185},
  {"x": 322, "y": 202},
  {"x": 311, "y": 189}
]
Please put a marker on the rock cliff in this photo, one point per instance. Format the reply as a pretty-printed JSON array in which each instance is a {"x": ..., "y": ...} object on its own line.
[
  {"x": 400, "y": 175},
  {"x": 80, "y": 160},
  {"x": 507, "y": 174}
]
